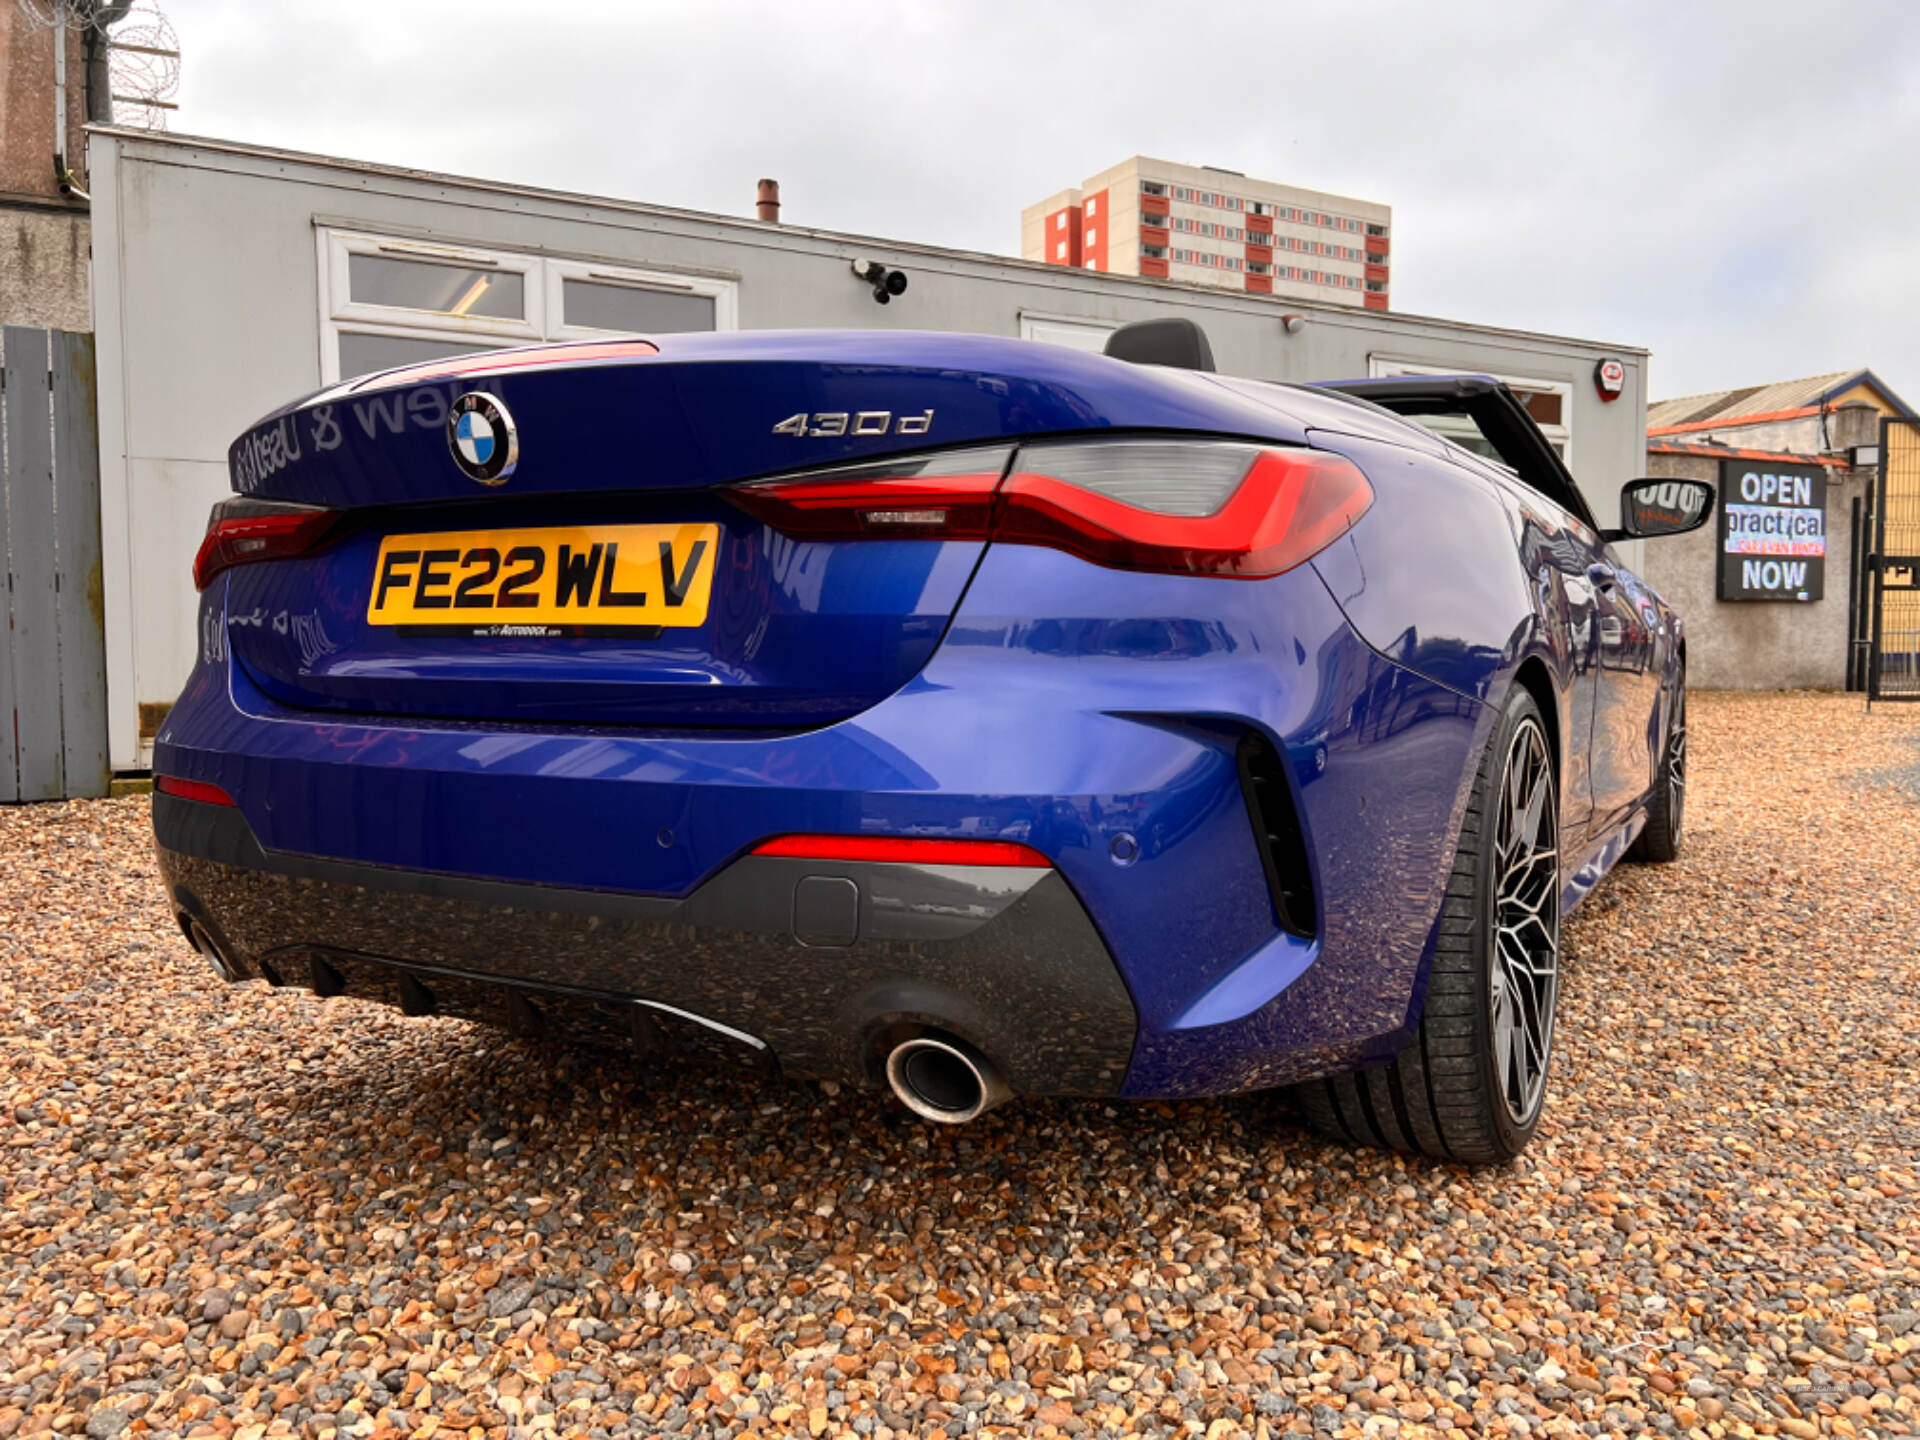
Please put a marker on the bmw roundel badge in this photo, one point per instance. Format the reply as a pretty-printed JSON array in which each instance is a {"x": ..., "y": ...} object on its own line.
[{"x": 483, "y": 439}]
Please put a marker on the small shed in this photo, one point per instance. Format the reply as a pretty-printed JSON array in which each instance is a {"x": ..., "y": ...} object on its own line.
[{"x": 1777, "y": 591}]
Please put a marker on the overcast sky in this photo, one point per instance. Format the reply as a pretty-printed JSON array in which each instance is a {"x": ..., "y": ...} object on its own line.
[{"x": 1731, "y": 185}]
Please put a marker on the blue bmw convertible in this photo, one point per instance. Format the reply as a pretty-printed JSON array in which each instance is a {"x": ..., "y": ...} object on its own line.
[{"x": 966, "y": 716}]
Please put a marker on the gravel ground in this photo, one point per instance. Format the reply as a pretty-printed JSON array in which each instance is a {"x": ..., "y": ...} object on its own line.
[{"x": 240, "y": 1212}]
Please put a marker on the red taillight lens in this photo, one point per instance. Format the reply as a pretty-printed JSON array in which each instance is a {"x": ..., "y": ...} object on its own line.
[
  {"x": 192, "y": 790},
  {"x": 904, "y": 849},
  {"x": 1182, "y": 508},
  {"x": 239, "y": 532},
  {"x": 947, "y": 496},
  {"x": 1188, "y": 507}
]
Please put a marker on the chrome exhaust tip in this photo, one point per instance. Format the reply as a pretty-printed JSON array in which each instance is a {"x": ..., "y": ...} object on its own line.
[
  {"x": 209, "y": 947},
  {"x": 944, "y": 1080}
]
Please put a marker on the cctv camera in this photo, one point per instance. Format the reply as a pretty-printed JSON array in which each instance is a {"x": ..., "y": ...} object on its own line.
[{"x": 886, "y": 283}]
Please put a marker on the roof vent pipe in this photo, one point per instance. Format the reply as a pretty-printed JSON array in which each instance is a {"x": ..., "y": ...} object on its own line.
[{"x": 766, "y": 204}]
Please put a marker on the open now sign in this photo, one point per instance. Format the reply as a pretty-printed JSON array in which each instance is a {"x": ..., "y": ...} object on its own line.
[{"x": 1773, "y": 531}]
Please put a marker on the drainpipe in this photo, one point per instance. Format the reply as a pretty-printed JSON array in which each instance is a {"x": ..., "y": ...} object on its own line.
[
  {"x": 99, "y": 82},
  {"x": 99, "y": 93},
  {"x": 62, "y": 172}
]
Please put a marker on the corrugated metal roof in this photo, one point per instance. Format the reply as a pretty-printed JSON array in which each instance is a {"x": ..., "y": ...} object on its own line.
[{"x": 1732, "y": 406}]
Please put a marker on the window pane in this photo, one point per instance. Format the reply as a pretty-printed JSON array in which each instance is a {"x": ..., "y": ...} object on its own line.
[
  {"x": 1081, "y": 335},
  {"x": 630, "y": 308},
  {"x": 364, "y": 354},
  {"x": 449, "y": 289},
  {"x": 1543, "y": 405},
  {"x": 1464, "y": 432},
  {"x": 1460, "y": 429}
]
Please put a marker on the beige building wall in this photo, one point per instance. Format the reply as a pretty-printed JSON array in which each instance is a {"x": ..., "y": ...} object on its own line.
[
  {"x": 1036, "y": 243},
  {"x": 1112, "y": 239},
  {"x": 1120, "y": 225},
  {"x": 1287, "y": 198}
]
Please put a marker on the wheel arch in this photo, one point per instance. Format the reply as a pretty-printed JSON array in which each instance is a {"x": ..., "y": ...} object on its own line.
[{"x": 1536, "y": 679}]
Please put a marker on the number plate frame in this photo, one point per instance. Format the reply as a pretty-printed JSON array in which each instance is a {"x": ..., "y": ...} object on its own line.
[{"x": 563, "y": 579}]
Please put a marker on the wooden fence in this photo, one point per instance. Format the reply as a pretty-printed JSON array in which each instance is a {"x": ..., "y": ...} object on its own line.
[{"x": 53, "y": 673}]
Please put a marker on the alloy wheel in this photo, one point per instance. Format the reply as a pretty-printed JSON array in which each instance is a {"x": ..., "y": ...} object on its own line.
[{"x": 1525, "y": 970}]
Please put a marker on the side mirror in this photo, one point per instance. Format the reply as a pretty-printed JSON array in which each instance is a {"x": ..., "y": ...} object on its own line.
[{"x": 1649, "y": 508}]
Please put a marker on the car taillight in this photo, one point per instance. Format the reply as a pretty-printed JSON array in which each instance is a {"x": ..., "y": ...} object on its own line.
[
  {"x": 946, "y": 496},
  {"x": 239, "y": 532},
  {"x": 1206, "y": 508},
  {"x": 1193, "y": 507}
]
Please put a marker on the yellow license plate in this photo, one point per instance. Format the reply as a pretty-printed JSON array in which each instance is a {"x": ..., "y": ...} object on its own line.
[{"x": 597, "y": 575}]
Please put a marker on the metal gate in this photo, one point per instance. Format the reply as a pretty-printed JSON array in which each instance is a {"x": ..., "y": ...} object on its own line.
[
  {"x": 53, "y": 668},
  {"x": 1893, "y": 661}
]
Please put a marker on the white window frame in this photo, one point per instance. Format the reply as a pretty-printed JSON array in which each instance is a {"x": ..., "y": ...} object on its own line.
[
  {"x": 1071, "y": 330},
  {"x": 543, "y": 284},
  {"x": 723, "y": 293},
  {"x": 1560, "y": 436},
  {"x": 342, "y": 316}
]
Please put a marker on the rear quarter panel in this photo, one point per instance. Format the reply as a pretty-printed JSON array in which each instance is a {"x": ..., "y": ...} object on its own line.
[
  {"x": 1462, "y": 576},
  {"x": 1431, "y": 576}
]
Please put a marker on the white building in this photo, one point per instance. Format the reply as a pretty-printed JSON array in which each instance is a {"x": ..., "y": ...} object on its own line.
[{"x": 230, "y": 279}]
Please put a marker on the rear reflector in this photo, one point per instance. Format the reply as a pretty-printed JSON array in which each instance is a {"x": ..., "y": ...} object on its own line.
[
  {"x": 192, "y": 790},
  {"x": 1192, "y": 507},
  {"x": 902, "y": 849},
  {"x": 240, "y": 532}
]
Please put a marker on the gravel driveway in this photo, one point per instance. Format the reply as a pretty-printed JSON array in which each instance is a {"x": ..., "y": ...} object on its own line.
[{"x": 236, "y": 1211}]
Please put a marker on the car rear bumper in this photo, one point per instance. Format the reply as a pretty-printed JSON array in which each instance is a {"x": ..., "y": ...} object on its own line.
[
  {"x": 813, "y": 964},
  {"x": 614, "y": 866}
]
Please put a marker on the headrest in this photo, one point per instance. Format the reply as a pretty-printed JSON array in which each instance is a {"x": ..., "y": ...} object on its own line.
[{"x": 1176, "y": 342}]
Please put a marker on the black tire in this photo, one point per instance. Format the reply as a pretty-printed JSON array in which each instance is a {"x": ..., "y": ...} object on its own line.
[
  {"x": 1659, "y": 842},
  {"x": 1448, "y": 1094}
]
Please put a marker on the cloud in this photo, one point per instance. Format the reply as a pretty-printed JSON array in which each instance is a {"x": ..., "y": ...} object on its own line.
[{"x": 1724, "y": 183}]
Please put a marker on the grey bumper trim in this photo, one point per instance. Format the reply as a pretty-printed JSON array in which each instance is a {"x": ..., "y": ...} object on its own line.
[{"x": 1005, "y": 958}]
